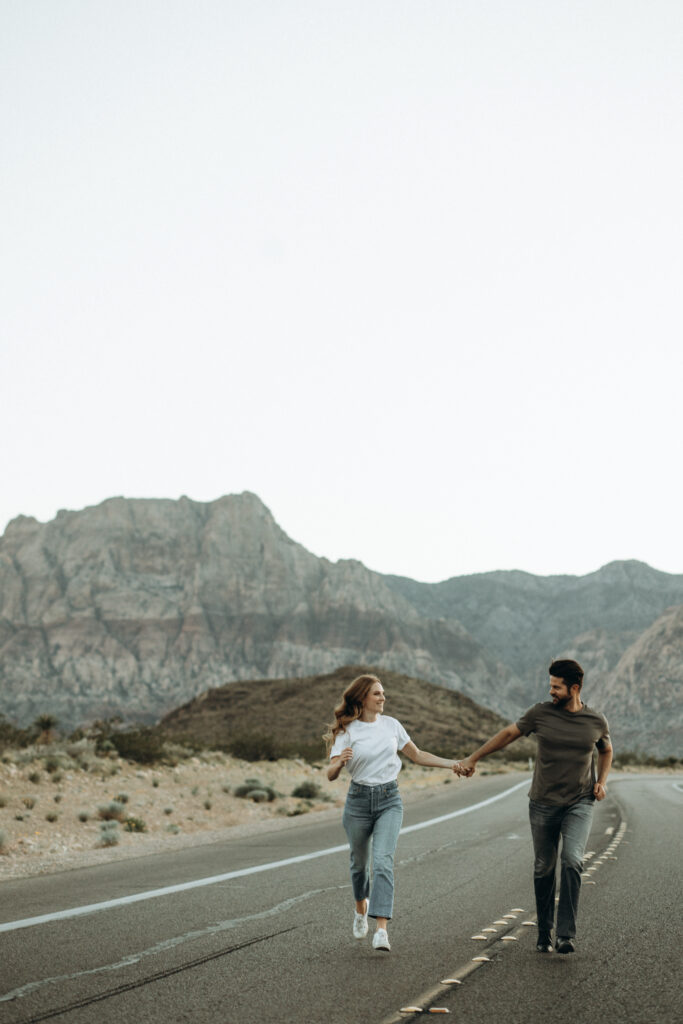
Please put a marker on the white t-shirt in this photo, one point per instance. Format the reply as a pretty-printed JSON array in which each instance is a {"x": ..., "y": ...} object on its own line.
[{"x": 375, "y": 744}]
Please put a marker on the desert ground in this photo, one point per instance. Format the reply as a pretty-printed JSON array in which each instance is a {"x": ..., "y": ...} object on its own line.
[{"x": 51, "y": 821}]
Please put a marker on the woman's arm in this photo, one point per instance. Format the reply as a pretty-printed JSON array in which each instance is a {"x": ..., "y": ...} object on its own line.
[
  {"x": 425, "y": 758},
  {"x": 337, "y": 763}
]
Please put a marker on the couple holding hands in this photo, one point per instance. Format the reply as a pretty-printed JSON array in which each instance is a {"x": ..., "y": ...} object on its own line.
[{"x": 367, "y": 742}]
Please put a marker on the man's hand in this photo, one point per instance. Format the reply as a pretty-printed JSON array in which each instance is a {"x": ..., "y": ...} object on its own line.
[
  {"x": 599, "y": 791},
  {"x": 468, "y": 767}
]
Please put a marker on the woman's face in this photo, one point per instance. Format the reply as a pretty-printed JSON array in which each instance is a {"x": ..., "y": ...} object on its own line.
[{"x": 374, "y": 702}]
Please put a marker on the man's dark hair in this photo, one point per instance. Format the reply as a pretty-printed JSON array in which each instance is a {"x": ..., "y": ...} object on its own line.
[{"x": 570, "y": 672}]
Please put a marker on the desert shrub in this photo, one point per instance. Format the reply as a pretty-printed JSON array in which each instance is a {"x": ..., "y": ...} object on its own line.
[
  {"x": 168, "y": 810},
  {"x": 141, "y": 745},
  {"x": 83, "y": 815},
  {"x": 18, "y": 817},
  {"x": 173, "y": 828},
  {"x": 57, "y": 776},
  {"x": 11, "y": 736},
  {"x": 155, "y": 783},
  {"x": 113, "y": 811},
  {"x": 109, "y": 834},
  {"x": 301, "y": 808},
  {"x": 51, "y": 816},
  {"x": 122, "y": 798},
  {"x": 226, "y": 787},
  {"x": 307, "y": 790},
  {"x": 208, "y": 805},
  {"x": 45, "y": 724},
  {"x": 29, "y": 802},
  {"x": 255, "y": 747},
  {"x": 57, "y": 798},
  {"x": 194, "y": 790},
  {"x": 4, "y": 841},
  {"x": 135, "y": 825},
  {"x": 3, "y": 800},
  {"x": 34, "y": 777},
  {"x": 259, "y": 796},
  {"x": 52, "y": 764}
]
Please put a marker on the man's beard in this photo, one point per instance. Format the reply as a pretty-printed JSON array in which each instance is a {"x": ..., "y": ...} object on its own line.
[{"x": 561, "y": 702}]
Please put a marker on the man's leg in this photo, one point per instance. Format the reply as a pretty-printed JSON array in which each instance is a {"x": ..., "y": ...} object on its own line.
[
  {"x": 545, "y": 824},
  {"x": 576, "y": 826}
]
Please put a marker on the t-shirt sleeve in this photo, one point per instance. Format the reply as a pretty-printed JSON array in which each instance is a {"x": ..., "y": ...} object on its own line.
[
  {"x": 341, "y": 741},
  {"x": 604, "y": 741},
  {"x": 527, "y": 723},
  {"x": 402, "y": 736}
]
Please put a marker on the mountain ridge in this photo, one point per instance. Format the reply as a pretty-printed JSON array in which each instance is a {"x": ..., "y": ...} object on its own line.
[{"x": 136, "y": 605}]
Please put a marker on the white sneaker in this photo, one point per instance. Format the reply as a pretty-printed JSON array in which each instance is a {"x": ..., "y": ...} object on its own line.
[
  {"x": 380, "y": 940},
  {"x": 360, "y": 925}
]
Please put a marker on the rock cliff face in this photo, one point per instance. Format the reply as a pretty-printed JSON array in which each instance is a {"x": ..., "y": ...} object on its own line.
[
  {"x": 643, "y": 696},
  {"x": 526, "y": 621},
  {"x": 135, "y": 606},
  {"x": 614, "y": 622}
]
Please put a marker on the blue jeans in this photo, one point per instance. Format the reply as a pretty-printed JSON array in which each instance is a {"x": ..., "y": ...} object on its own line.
[
  {"x": 373, "y": 813},
  {"x": 548, "y": 823}
]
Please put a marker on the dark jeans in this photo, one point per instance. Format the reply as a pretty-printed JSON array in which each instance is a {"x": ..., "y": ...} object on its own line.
[{"x": 548, "y": 823}]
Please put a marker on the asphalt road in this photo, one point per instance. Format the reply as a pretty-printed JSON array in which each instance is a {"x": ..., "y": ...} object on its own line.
[{"x": 275, "y": 945}]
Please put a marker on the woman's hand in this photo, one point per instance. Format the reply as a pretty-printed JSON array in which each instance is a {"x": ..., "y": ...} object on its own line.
[{"x": 337, "y": 763}]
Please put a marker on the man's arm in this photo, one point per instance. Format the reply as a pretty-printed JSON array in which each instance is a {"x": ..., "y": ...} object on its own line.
[
  {"x": 507, "y": 735},
  {"x": 604, "y": 765}
]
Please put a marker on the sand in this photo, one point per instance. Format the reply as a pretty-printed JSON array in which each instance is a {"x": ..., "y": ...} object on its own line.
[{"x": 185, "y": 805}]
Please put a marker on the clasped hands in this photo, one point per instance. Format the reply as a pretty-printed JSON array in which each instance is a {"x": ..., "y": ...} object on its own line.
[{"x": 465, "y": 767}]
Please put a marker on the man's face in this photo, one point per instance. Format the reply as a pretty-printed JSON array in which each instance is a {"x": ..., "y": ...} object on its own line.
[{"x": 559, "y": 692}]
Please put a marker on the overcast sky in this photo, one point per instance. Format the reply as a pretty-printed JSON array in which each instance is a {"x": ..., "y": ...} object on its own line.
[{"x": 410, "y": 271}]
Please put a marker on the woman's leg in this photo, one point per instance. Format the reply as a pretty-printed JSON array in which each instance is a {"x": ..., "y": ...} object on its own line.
[
  {"x": 357, "y": 824},
  {"x": 384, "y": 839}
]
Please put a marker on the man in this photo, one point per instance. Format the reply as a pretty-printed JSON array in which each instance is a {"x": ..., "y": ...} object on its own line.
[{"x": 563, "y": 790}]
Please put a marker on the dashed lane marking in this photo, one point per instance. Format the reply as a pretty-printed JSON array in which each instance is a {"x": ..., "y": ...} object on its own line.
[{"x": 459, "y": 975}]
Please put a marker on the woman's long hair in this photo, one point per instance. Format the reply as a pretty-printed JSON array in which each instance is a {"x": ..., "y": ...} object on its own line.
[{"x": 350, "y": 707}]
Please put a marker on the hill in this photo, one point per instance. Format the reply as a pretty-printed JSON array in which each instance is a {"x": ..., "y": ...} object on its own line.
[{"x": 295, "y": 712}]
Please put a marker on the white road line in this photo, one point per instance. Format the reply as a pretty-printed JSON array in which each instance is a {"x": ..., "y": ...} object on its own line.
[{"x": 169, "y": 890}]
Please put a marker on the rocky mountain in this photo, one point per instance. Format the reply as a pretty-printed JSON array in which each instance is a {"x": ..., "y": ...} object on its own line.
[
  {"x": 643, "y": 696},
  {"x": 526, "y": 620},
  {"x": 133, "y": 606}
]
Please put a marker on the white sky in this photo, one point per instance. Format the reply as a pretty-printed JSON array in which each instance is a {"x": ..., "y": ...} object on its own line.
[{"x": 410, "y": 271}]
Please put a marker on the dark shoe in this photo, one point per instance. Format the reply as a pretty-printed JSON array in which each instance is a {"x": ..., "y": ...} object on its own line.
[
  {"x": 544, "y": 944},
  {"x": 564, "y": 944}
]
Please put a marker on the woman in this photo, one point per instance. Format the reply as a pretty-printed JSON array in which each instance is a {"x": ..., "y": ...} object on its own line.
[{"x": 367, "y": 742}]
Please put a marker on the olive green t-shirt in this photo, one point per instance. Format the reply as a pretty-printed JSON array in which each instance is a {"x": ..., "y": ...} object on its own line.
[{"x": 564, "y": 771}]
